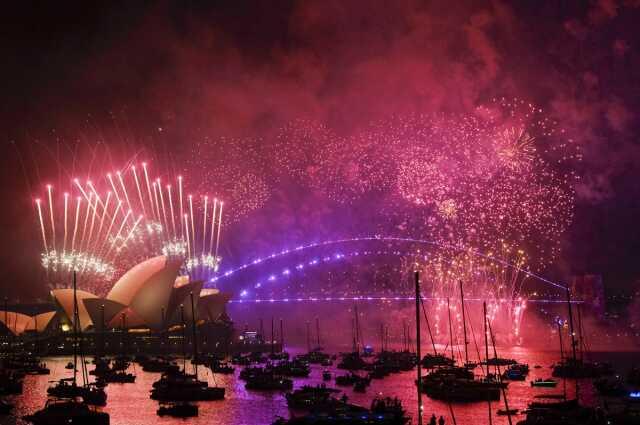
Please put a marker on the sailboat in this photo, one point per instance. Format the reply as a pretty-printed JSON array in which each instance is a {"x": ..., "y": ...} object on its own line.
[
  {"x": 181, "y": 386},
  {"x": 118, "y": 372},
  {"x": 564, "y": 411},
  {"x": 574, "y": 366},
  {"x": 72, "y": 402},
  {"x": 315, "y": 355},
  {"x": 353, "y": 360},
  {"x": 275, "y": 355},
  {"x": 431, "y": 361},
  {"x": 458, "y": 384}
]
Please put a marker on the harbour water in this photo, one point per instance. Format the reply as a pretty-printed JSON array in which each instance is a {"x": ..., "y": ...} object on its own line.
[{"x": 129, "y": 404}]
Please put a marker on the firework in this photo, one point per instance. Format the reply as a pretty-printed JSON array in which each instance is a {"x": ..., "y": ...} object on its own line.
[{"x": 108, "y": 225}]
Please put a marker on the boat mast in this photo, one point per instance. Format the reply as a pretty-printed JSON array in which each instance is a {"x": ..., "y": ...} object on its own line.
[
  {"x": 358, "y": 342},
  {"x": 163, "y": 332},
  {"x": 450, "y": 330},
  {"x": 504, "y": 392},
  {"x": 404, "y": 336},
  {"x": 581, "y": 343},
  {"x": 75, "y": 331},
  {"x": 308, "y": 337},
  {"x": 35, "y": 341},
  {"x": 195, "y": 340},
  {"x": 184, "y": 342},
  {"x": 418, "y": 355},
  {"x": 573, "y": 336},
  {"x": 272, "y": 338},
  {"x": 464, "y": 327},
  {"x": 6, "y": 323},
  {"x": 122, "y": 342},
  {"x": 318, "y": 330},
  {"x": 564, "y": 380},
  {"x": 486, "y": 351},
  {"x": 281, "y": 335},
  {"x": 102, "y": 336},
  {"x": 353, "y": 335},
  {"x": 426, "y": 319}
]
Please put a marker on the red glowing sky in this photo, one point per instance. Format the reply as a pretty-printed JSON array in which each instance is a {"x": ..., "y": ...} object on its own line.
[{"x": 164, "y": 77}]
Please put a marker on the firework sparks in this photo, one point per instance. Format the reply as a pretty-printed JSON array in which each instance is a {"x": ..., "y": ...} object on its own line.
[{"x": 112, "y": 232}]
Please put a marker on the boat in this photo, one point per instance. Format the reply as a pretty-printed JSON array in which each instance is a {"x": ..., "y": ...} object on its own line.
[
  {"x": 250, "y": 371},
  {"x": 24, "y": 362},
  {"x": 350, "y": 379},
  {"x": 430, "y": 361},
  {"x": 504, "y": 412},
  {"x": 159, "y": 365},
  {"x": 33, "y": 366},
  {"x": 575, "y": 366},
  {"x": 577, "y": 369},
  {"x": 396, "y": 361},
  {"x": 540, "y": 382},
  {"x": 458, "y": 384},
  {"x": 295, "y": 368},
  {"x": 63, "y": 411},
  {"x": 499, "y": 362},
  {"x": 102, "y": 368},
  {"x": 240, "y": 360},
  {"x": 221, "y": 367},
  {"x": 315, "y": 356},
  {"x": 459, "y": 390},
  {"x": 383, "y": 411},
  {"x": 266, "y": 382},
  {"x": 119, "y": 377},
  {"x": 90, "y": 394},
  {"x": 176, "y": 379},
  {"x": 178, "y": 410},
  {"x": 311, "y": 398},
  {"x": 351, "y": 361},
  {"x": 65, "y": 407},
  {"x": 283, "y": 355},
  {"x": 564, "y": 412},
  {"x": 516, "y": 372},
  {"x": 181, "y": 386}
]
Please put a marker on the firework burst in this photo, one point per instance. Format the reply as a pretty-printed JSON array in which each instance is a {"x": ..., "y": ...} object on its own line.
[{"x": 102, "y": 227}]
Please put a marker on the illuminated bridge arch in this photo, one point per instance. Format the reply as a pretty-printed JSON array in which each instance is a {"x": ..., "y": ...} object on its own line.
[{"x": 231, "y": 273}]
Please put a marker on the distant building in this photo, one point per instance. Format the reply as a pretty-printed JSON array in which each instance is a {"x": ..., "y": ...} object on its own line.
[{"x": 590, "y": 289}]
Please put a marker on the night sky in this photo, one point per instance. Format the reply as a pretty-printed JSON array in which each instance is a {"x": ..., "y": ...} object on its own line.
[{"x": 157, "y": 77}]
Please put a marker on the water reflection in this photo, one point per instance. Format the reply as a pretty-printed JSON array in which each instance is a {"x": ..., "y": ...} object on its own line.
[{"x": 130, "y": 403}]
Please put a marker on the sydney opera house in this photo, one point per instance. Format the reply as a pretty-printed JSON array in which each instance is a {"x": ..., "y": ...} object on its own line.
[{"x": 148, "y": 305}]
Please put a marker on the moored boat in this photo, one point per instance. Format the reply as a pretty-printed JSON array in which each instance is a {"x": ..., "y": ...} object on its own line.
[
  {"x": 178, "y": 410},
  {"x": 540, "y": 382},
  {"x": 62, "y": 411}
]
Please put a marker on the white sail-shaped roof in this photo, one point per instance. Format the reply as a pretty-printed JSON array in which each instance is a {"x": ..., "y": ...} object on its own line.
[
  {"x": 39, "y": 322},
  {"x": 64, "y": 298},
  {"x": 146, "y": 289},
  {"x": 17, "y": 323}
]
